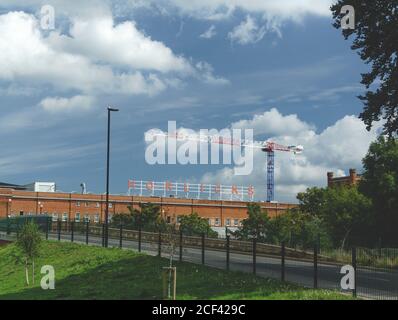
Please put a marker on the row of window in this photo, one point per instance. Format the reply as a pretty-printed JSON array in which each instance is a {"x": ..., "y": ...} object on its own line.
[
  {"x": 78, "y": 217},
  {"x": 215, "y": 222},
  {"x": 87, "y": 204}
]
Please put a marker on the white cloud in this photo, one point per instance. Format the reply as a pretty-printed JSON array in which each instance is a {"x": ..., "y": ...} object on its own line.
[
  {"x": 206, "y": 74},
  {"x": 26, "y": 56},
  {"x": 209, "y": 33},
  {"x": 97, "y": 58},
  {"x": 274, "y": 123},
  {"x": 247, "y": 32},
  {"x": 287, "y": 9},
  {"x": 76, "y": 103},
  {"x": 122, "y": 44},
  {"x": 337, "y": 148}
]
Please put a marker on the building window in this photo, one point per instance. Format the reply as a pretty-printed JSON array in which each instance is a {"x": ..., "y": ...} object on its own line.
[
  {"x": 179, "y": 219},
  {"x": 96, "y": 218},
  {"x": 168, "y": 219},
  {"x": 86, "y": 218},
  {"x": 77, "y": 217},
  {"x": 77, "y": 203},
  {"x": 110, "y": 205},
  {"x": 217, "y": 222},
  {"x": 97, "y": 204},
  {"x": 86, "y": 204},
  {"x": 236, "y": 222},
  {"x": 109, "y": 218},
  {"x": 209, "y": 221},
  {"x": 55, "y": 216},
  {"x": 64, "y": 217},
  {"x": 21, "y": 213},
  {"x": 228, "y": 222}
]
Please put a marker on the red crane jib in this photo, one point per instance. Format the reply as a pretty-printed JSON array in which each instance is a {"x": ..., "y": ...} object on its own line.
[{"x": 271, "y": 146}]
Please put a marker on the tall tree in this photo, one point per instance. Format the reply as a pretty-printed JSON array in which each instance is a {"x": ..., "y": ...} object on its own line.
[
  {"x": 376, "y": 40},
  {"x": 380, "y": 183},
  {"x": 148, "y": 216},
  {"x": 194, "y": 225},
  {"x": 256, "y": 225},
  {"x": 342, "y": 211}
]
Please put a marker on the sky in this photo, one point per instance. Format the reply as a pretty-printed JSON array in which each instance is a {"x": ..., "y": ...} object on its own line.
[{"x": 279, "y": 68}]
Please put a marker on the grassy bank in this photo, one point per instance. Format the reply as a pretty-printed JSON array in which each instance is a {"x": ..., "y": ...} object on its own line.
[{"x": 84, "y": 272}]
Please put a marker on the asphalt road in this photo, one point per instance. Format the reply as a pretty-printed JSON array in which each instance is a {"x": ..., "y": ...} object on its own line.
[{"x": 371, "y": 283}]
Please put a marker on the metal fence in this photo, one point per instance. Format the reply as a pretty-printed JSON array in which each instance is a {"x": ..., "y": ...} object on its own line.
[{"x": 376, "y": 270}]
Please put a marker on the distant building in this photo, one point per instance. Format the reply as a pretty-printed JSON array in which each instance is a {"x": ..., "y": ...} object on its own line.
[
  {"x": 349, "y": 180},
  {"x": 34, "y": 186}
]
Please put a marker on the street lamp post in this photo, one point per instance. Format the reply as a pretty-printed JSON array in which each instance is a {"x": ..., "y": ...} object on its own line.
[{"x": 107, "y": 175}]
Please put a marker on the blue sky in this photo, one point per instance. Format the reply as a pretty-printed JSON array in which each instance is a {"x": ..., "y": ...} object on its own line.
[{"x": 280, "y": 69}]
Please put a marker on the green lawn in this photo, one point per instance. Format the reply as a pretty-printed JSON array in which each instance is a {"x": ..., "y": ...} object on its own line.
[{"x": 85, "y": 272}]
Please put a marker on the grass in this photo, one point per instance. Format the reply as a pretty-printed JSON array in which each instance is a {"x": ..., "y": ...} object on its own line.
[
  {"x": 378, "y": 258},
  {"x": 86, "y": 272}
]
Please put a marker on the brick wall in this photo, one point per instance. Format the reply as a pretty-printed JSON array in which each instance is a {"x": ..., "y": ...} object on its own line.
[{"x": 70, "y": 206}]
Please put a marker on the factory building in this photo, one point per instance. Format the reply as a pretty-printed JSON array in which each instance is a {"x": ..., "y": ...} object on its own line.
[{"x": 16, "y": 201}]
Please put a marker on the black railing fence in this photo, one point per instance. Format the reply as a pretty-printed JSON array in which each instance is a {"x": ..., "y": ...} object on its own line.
[{"x": 375, "y": 270}]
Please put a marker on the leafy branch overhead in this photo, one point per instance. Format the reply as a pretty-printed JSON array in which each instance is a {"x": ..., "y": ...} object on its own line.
[{"x": 376, "y": 40}]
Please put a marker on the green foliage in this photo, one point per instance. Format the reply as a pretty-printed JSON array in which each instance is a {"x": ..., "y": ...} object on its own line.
[
  {"x": 340, "y": 212},
  {"x": 375, "y": 38},
  {"x": 380, "y": 184},
  {"x": 193, "y": 225},
  {"x": 298, "y": 229},
  {"x": 29, "y": 240},
  {"x": 346, "y": 214},
  {"x": 148, "y": 217},
  {"x": 256, "y": 225}
]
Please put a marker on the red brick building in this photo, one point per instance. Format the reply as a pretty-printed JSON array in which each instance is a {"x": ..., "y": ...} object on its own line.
[
  {"x": 72, "y": 206},
  {"x": 352, "y": 179}
]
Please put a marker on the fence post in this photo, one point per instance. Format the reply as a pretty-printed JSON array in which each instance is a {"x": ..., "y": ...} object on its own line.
[
  {"x": 121, "y": 236},
  {"x": 106, "y": 233},
  {"x": 181, "y": 244},
  {"x": 203, "y": 248},
  {"x": 87, "y": 225},
  {"x": 59, "y": 230},
  {"x": 283, "y": 261},
  {"x": 160, "y": 244},
  {"x": 47, "y": 226},
  {"x": 254, "y": 255},
  {"x": 103, "y": 234},
  {"x": 72, "y": 232},
  {"x": 17, "y": 227},
  {"x": 139, "y": 237},
  {"x": 228, "y": 252},
  {"x": 316, "y": 267},
  {"x": 8, "y": 225},
  {"x": 354, "y": 265}
]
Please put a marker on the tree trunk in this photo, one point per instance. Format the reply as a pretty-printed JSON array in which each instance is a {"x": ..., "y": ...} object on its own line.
[
  {"x": 26, "y": 272},
  {"x": 345, "y": 238}
]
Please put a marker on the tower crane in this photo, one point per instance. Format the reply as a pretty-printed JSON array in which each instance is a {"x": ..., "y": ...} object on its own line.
[{"x": 269, "y": 147}]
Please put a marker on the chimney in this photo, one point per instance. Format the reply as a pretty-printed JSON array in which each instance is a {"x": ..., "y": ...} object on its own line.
[
  {"x": 330, "y": 177},
  {"x": 353, "y": 176}
]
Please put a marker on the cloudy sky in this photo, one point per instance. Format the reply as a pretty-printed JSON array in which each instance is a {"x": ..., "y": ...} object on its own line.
[{"x": 277, "y": 67}]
